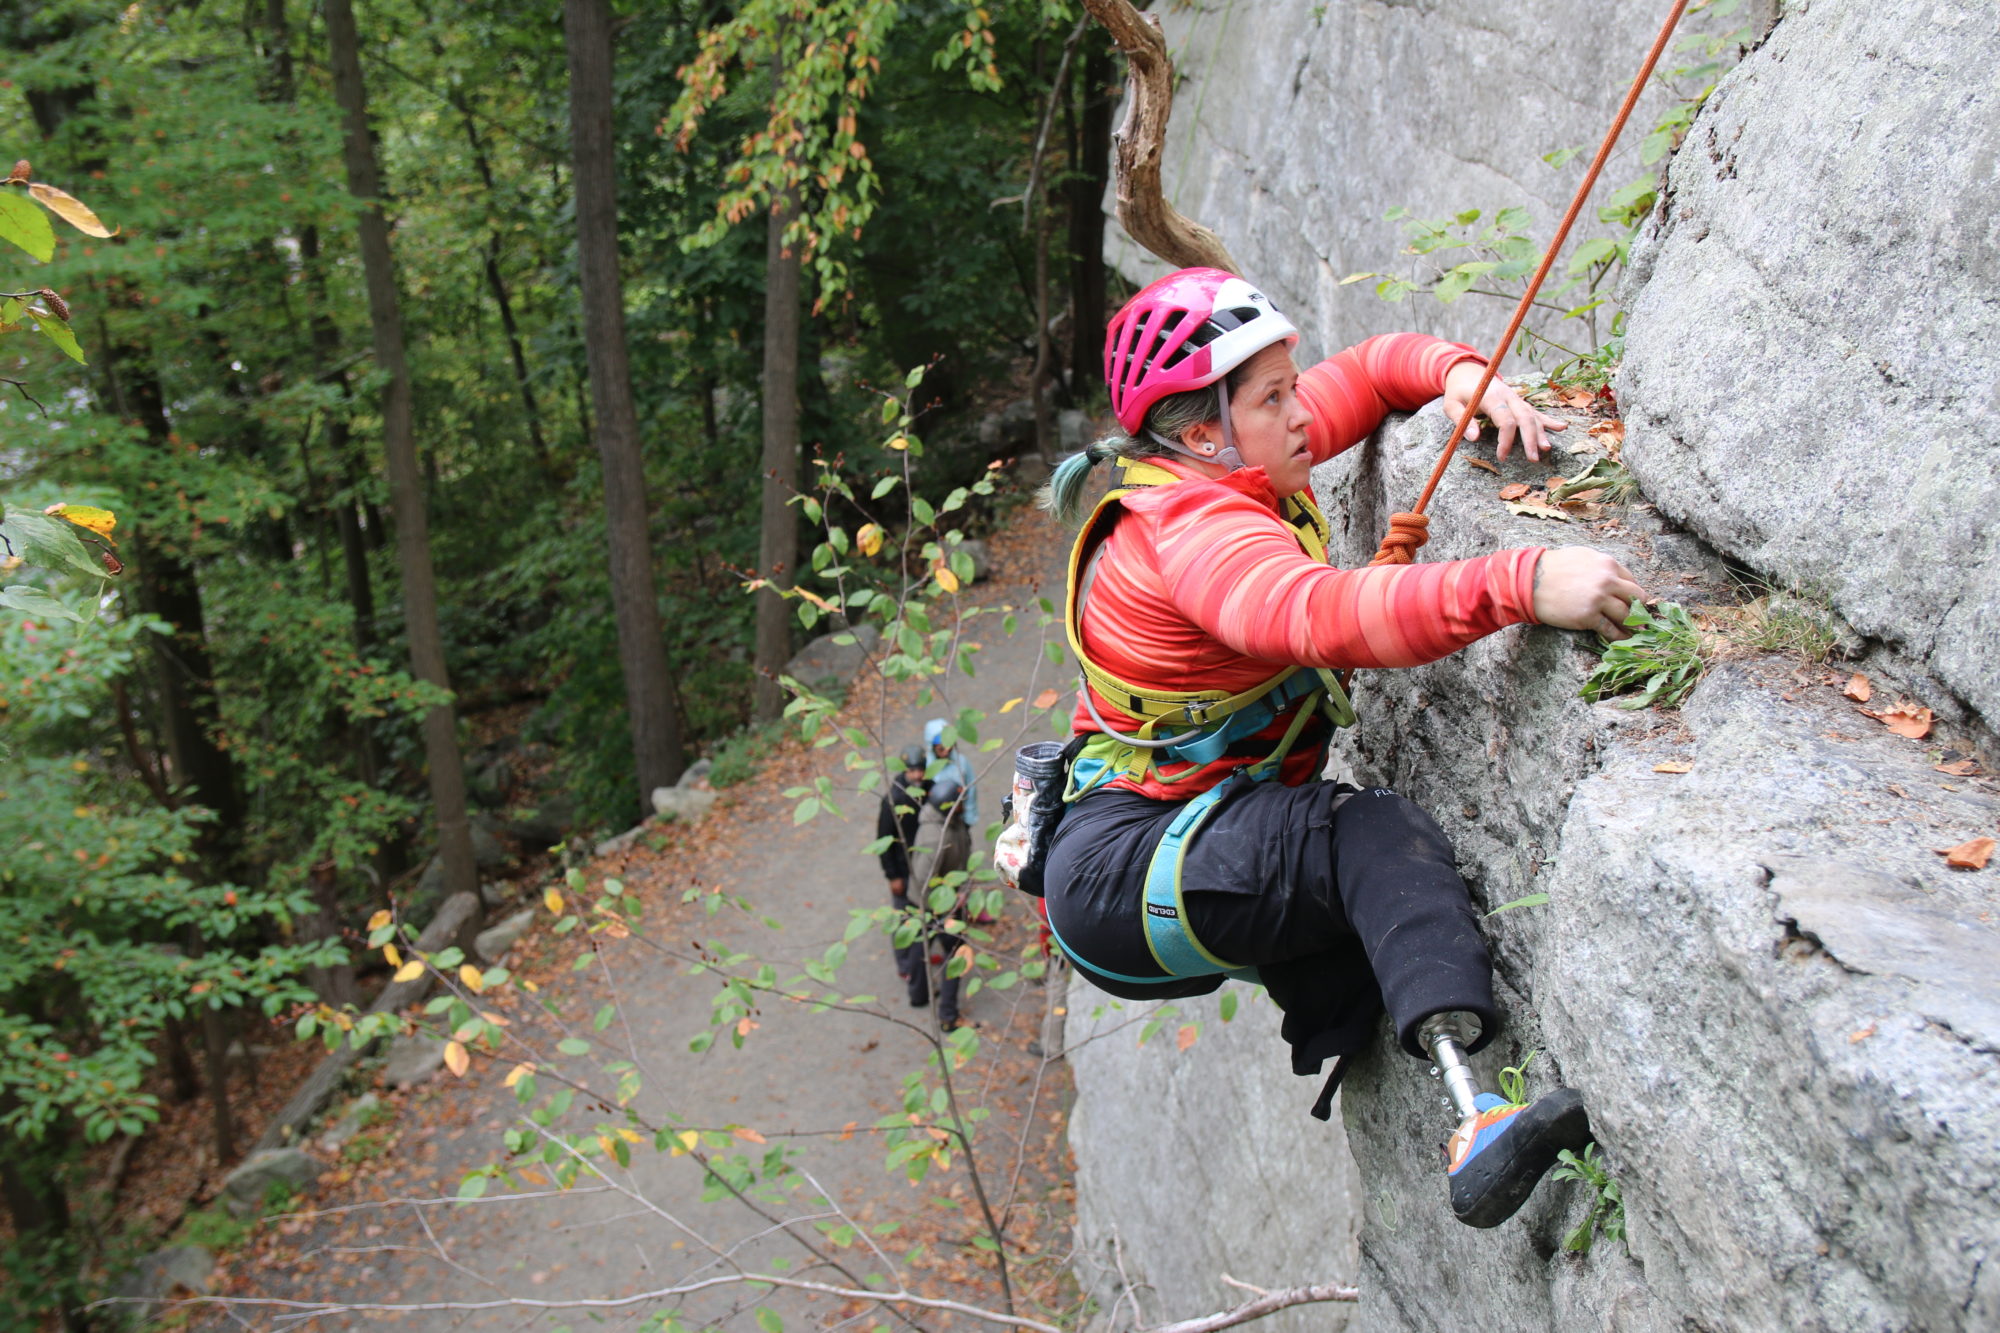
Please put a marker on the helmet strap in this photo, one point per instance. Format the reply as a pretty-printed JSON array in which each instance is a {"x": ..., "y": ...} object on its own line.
[{"x": 1226, "y": 457}]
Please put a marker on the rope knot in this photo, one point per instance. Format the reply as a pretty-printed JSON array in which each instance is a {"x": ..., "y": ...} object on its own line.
[{"x": 1406, "y": 533}]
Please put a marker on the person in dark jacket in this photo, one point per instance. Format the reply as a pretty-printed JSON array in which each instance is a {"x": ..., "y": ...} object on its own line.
[
  {"x": 943, "y": 848},
  {"x": 902, "y": 808}
]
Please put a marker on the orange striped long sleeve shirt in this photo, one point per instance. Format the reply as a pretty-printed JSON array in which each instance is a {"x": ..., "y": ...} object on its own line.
[{"x": 1201, "y": 584}]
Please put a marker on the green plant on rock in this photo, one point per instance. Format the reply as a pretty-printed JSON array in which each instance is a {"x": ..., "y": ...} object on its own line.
[
  {"x": 1514, "y": 1080},
  {"x": 1658, "y": 665},
  {"x": 1606, "y": 1216}
]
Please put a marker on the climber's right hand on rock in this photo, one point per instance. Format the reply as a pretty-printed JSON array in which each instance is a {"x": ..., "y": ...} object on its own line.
[{"x": 1578, "y": 588}]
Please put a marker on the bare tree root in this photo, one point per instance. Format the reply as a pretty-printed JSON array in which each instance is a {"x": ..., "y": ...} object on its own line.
[{"x": 1142, "y": 209}]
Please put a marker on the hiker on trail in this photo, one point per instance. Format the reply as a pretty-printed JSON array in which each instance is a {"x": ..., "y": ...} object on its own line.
[
  {"x": 943, "y": 847},
  {"x": 1199, "y": 840},
  {"x": 902, "y": 808}
]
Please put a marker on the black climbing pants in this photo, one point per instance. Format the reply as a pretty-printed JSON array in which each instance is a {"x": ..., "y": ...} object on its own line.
[{"x": 1345, "y": 901}]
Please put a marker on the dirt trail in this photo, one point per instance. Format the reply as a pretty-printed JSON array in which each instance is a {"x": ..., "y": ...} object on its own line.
[{"x": 798, "y": 1074}]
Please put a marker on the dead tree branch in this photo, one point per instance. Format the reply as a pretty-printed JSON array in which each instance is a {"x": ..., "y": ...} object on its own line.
[
  {"x": 1142, "y": 209},
  {"x": 1268, "y": 1304}
]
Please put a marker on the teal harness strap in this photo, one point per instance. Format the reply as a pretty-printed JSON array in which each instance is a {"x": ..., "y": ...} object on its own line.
[{"x": 1168, "y": 935}]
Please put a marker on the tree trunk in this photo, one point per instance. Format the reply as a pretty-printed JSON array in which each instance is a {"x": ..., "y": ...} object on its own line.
[
  {"x": 1086, "y": 220},
  {"x": 334, "y": 985},
  {"x": 406, "y": 493},
  {"x": 778, "y": 540},
  {"x": 642, "y": 652}
]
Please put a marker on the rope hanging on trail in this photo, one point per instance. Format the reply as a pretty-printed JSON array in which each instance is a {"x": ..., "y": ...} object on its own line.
[{"x": 1408, "y": 531}]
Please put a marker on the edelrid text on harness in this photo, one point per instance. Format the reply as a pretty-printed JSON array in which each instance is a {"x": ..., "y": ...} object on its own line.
[{"x": 1196, "y": 727}]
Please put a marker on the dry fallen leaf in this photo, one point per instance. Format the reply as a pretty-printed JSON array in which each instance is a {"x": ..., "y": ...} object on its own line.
[
  {"x": 1609, "y": 433},
  {"x": 1904, "y": 719},
  {"x": 1576, "y": 398},
  {"x": 1514, "y": 491},
  {"x": 1047, "y": 698},
  {"x": 1482, "y": 464},
  {"x": 69, "y": 209},
  {"x": 1529, "y": 509},
  {"x": 1898, "y": 791},
  {"x": 747, "y": 1134},
  {"x": 1858, "y": 688},
  {"x": 1861, "y": 1034},
  {"x": 1971, "y": 855},
  {"x": 1673, "y": 767},
  {"x": 1962, "y": 768}
]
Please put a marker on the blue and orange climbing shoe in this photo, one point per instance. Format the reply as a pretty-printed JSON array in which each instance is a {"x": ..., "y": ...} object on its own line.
[{"x": 1498, "y": 1155}]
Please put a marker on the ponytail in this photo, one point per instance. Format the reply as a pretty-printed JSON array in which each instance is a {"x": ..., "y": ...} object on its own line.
[
  {"x": 1063, "y": 493},
  {"x": 1166, "y": 421}
]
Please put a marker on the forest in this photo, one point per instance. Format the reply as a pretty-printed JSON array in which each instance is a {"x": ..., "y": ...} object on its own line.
[{"x": 393, "y": 388}]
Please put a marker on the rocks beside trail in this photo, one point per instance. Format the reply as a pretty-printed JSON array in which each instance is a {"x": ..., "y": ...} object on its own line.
[
  {"x": 144, "y": 1294},
  {"x": 248, "y": 1188}
]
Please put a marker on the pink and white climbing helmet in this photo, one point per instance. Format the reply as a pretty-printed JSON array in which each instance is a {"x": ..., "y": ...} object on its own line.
[{"x": 1185, "y": 331}]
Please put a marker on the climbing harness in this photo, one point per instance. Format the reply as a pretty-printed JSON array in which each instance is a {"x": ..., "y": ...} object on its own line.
[{"x": 1195, "y": 727}]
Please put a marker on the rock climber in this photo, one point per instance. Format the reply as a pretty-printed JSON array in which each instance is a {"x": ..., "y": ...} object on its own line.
[
  {"x": 1199, "y": 840},
  {"x": 902, "y": 810},
  {"x": 942, "y": 848}
]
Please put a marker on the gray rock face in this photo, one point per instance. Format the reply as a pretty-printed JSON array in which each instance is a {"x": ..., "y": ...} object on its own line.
[
  {"x": 355, "y": 1118},
  {"x": 822, "y": 660},
  {"x": 697, "y": 772},
  {"x": 1778, "y": 1003},
  {"x": 498, "y": 939},
  {"x": 144, "y": 1292},
  {"x": 1296, "y": 127},
  {"x": 412, "y": 1060},
  {"x": 543, "y": 825},
  {"x": 1191, "y": 1164},
  {"x": 246, "y": 1188},
  {"x": 1812, "y": 375},
  {"x": 687, "y": 804}
]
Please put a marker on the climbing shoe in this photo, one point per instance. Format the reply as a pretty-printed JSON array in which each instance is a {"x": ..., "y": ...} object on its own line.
[{"x": 1497, "y": 1156}]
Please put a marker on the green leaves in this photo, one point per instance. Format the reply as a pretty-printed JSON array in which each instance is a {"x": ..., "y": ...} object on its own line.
[
  {"x": 1662, "y": 660},
  {"x": 49, "y": 543},
  {"x": 36, "y": 603},
  {"x": 25, "y": 226}
]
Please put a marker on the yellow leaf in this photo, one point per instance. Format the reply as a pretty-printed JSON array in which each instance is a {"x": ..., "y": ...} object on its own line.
[
  {"x": 1010, "y": 705},
  {"x": 455, "y": 1058},
  {"x": 68, "y": 208},
  {"x": 553, "y": 900},
  {"x": 689, "y": 1141},
  {"x": 899, "y": 442},
  {"x": 393, "y": 954},
  {"x": 379, "y": 920},
  {"x": 869, "y": 539},
  {"x": 604, "y": 1141},
  {"x": 409, "y": 971},
  {"x": 747, "y": 1134},
  {"x": 470, "y": 976},
  {"x": 519, "y": 1072},
  {"x": 1673, "y": 767},
  {"x": 99, "y": 521},
  {"x": 631, "y": 1136},
  {"x": 946, "y": 579}
]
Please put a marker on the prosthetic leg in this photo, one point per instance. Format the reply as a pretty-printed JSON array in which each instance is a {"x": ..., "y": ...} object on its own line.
[{"x": 1501, "y": 1149}]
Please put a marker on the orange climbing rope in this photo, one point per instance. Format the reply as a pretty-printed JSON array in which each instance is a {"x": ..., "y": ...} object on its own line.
[{"x": 1408, "y": 531}]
